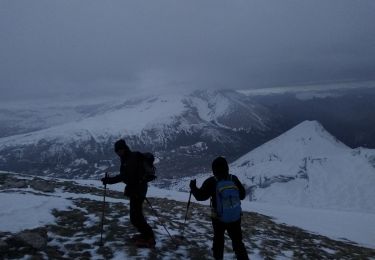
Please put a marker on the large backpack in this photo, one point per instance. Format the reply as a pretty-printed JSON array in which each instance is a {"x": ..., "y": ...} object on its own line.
[
  {"x": 228, "y": 203},
  {"x": 148, "y": 170}
]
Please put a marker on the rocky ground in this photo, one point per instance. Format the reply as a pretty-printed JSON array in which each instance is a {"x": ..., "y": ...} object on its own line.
[{"x": 75, "y": 231}]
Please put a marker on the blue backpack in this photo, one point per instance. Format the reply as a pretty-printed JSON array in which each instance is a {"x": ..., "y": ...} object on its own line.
[{"x": 228, "y": 203}]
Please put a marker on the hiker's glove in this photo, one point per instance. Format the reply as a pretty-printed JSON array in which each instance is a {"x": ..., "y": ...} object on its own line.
[
  {"x": 105, "y": 180},
  {"x": 193, "y": 184}
]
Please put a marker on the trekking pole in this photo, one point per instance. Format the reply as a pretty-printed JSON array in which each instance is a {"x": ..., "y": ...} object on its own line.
[
  {"x": 156, "y": 214},
  {"x": 186, "y": 215},
  {"x": 103, "y": 209}
]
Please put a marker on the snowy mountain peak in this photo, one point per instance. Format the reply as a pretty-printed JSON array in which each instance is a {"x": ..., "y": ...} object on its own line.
[
  {"x": 308, "y": 138},
  {"x": 307, "y": 166},
  {"x": 308, "y": 125},
  {"x": 313, "y": 133},
  {"x": 309, "y": 129}
]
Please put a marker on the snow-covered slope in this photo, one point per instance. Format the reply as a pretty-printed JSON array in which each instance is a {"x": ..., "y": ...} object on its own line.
[
  {"x": 305, "y": 167},
  {"x": 63, "y": 222},
  {"x": 308, "y": 167},
  {"x": 165, "y": 124},
  {"x": 165, "y": 114},
  {"x": 128, "y": 118}
]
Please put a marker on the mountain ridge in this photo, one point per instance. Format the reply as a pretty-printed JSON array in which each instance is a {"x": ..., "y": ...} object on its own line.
[
  {"x": 305, "y": 167},
  {"x": 163, "y": 124},
  {"x": 308, "y": 166}
]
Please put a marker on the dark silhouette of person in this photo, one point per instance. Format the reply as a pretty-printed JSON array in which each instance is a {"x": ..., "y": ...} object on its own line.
[
  {"x": 220, "y": 171},
  {"x": 135, "y": 189}
]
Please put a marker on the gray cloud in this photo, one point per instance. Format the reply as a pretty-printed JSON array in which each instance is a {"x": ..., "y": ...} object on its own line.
[{"x": 56, "y": 47}]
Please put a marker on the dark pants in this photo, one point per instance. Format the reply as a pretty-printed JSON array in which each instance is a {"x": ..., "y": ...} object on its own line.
[
  {"x": 234, "y": 232},
  {"x": 137, "y": 218}
]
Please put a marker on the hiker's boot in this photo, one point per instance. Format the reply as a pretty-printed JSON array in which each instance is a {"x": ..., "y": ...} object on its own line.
[
  {"x": 136, "y": 237},
  {"x": 145, "y": 242}
]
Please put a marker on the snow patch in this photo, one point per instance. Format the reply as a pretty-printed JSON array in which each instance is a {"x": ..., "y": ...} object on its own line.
[{"x": 21, "y": 211}]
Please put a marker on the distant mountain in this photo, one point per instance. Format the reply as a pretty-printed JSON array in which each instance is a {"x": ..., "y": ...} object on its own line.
[
  {"x": 74, "y": 138},
  {"x": 306, "y": 167},
  {"x": 346, "y": 110},
  {"x": 179, "y": 128}
]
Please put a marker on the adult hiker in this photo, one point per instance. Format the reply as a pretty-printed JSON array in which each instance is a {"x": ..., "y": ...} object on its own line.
[
  {"x": 225, "y": 191},
  {"x": 135, "y": 189}
]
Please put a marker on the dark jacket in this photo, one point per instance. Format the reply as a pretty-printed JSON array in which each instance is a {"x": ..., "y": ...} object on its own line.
[
  {"x": 208, "y": 190},
  {"x": 130, "y": 174}
]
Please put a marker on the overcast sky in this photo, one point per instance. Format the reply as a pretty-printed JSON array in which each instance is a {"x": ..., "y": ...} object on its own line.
[{"x": 59, "y": 47}]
